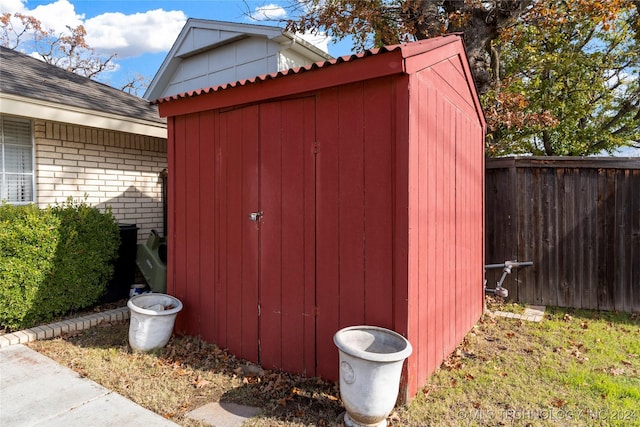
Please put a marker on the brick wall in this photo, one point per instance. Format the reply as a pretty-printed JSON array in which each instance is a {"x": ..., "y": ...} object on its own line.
[{"x": 111, "y": 168}]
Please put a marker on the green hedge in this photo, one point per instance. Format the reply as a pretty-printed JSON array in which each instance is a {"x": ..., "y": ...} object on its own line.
[{"x": 53, "y": 260}]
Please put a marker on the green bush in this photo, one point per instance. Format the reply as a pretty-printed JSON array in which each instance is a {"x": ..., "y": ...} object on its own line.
[{"x": 53, "y": 260}]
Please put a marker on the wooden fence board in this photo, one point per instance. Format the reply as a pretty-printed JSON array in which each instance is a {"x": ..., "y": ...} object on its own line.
[{"x": 577, "y": 219}]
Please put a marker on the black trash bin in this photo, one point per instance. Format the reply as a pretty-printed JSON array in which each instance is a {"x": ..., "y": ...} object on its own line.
[{"x": 124, "y": 268}]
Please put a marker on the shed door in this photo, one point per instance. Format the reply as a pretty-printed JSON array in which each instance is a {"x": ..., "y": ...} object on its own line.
[{"x": 274, "y": 250}]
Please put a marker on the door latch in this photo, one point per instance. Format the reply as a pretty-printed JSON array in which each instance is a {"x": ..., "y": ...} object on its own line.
[{"x": 255, "y": 216}]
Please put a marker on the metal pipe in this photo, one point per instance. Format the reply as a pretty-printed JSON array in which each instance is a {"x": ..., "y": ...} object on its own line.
[{"x": 506, "y": 266}]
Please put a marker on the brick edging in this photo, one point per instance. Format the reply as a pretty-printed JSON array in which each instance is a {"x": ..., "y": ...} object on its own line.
[{"x": 56, "y": 329}]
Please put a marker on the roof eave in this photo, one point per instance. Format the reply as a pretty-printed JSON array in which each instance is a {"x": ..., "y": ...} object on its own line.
[{"x": 39, "y": 109}]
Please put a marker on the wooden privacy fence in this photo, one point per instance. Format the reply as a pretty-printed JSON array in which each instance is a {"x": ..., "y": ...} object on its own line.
[{"x": 577, "y": 219}]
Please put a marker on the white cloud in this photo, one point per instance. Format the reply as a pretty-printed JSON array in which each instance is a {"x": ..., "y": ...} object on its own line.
[
  {"x": 268, "y": 12},
  {"x": 131, "y": 35},
  {"x": 11, "y": 6},
  {"x": 127, "y": 35},
  {"x": 56, "y": 16}
]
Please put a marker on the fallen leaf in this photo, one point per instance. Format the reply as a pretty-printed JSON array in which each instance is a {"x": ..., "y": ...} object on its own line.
[
  {"x": 469, "y": 377},
  {"x": 558, "y": 403},
  {"x": 567, "y": 317},
  {"x": 616, "y": 371},
  {"x": 201, "y": 382},
  {"x": 584, "y": 325}
]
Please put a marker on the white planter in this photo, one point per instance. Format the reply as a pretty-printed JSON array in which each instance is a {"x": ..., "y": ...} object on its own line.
[
  {"x": 152, "y": 319},
  {"x": 371, "y": 361}
]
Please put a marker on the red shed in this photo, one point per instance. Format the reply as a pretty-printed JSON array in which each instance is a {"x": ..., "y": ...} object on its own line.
[{"x": 347, "y": 192}]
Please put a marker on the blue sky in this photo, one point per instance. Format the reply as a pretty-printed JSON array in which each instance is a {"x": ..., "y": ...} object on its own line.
[{"x": 141, "y": 32}]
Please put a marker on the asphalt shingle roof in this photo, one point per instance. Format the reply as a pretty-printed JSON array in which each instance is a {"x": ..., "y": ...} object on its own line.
[{"x": 22, "y": 75}]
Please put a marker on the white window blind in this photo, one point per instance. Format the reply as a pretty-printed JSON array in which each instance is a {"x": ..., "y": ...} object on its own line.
[{"x": 16, "y": 160}]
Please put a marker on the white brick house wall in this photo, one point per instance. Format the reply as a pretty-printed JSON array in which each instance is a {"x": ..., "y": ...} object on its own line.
[{"x": 110, "y": 168}]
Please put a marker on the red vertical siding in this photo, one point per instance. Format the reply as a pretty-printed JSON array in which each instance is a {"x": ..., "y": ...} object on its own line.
[
  {"x": 191, "y": 294},
  {"x": 327, "y": 226},
  {"x": 287, "y": 136},
  {"x": 378, "y": 207},
  {"x": 207, "y": 232},
  {"x": 355, "y": 211},
  {"x": 171, "y": 214},
  {"x": 445, "y": 201},
  {"x": 351, "y": 204},
  {"x": 372, "y": 200},
  {"x": 178, "y": 205},
  {"x": 219, "y": 216}
]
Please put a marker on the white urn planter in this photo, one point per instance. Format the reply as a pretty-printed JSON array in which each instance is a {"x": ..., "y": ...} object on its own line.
[
  {"x": 371, "y": 361},
  {"x": 151, "y": 321}
]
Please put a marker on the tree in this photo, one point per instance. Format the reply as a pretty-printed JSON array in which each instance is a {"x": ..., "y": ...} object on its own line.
[
  {"x": 68, "y": 51},
  {"x": 553, "y": 74},
  {"x": 573, "y": 65},
  {"x": 375, "y": 23}
]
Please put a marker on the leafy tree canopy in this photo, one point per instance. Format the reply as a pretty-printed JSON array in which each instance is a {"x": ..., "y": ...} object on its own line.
[{"x": 569, "y": 81}]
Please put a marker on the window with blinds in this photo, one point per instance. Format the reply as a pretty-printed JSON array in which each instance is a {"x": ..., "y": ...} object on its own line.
[{"x": 16, "y": 160}]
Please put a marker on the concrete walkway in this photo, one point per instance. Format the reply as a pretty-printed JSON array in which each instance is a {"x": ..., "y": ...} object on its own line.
[
  {"x": 532, "y": 313},
  {"x": 36, "y": 391}
]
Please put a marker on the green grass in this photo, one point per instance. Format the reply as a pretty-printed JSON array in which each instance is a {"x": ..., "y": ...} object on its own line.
[{"x": 576, "y": 368}]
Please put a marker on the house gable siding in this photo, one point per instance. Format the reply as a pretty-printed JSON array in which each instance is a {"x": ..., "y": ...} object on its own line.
[{"x": 238, "y": 60}]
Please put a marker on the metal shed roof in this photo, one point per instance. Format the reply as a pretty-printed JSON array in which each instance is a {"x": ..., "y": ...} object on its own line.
[
  {"x": 407, "y": 50},
  {"x": 373, "y": 63}
]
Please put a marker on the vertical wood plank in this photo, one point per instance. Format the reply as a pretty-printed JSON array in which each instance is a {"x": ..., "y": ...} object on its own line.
[
  {"x": 634, "y": 256},
  {"x": 421, "y": 169},
  {"x": 351, "y": 205},
  {"x": 180, "y": 219},
  {"x": 622, "y": 240},
  {"x": 449, "y": 285},
  {"x": 589, "y": 241},
  {"x": 562, "y": 236},
  {"x": 309, "y": 225},
  {"x": 208, "y": 215},
  {"x": 171, "y": 215},
  {"x": 431, "y": 192},
  {"x": 405, "y": 306},
  {"x": 378, "y": 206},
  {"x": 235, "y": 217},
  {"x": 271, "y": 268},
  {"x": 271, "y": 265},
  {"x": 191, "y": 298},
  {"x": 221, "y": 215},
  {"x": 293, "y": 222},
  {"x": 328, "y": 232},
  {"x": 249, "y": 187},
  {"x": 441, "y": 141}
]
